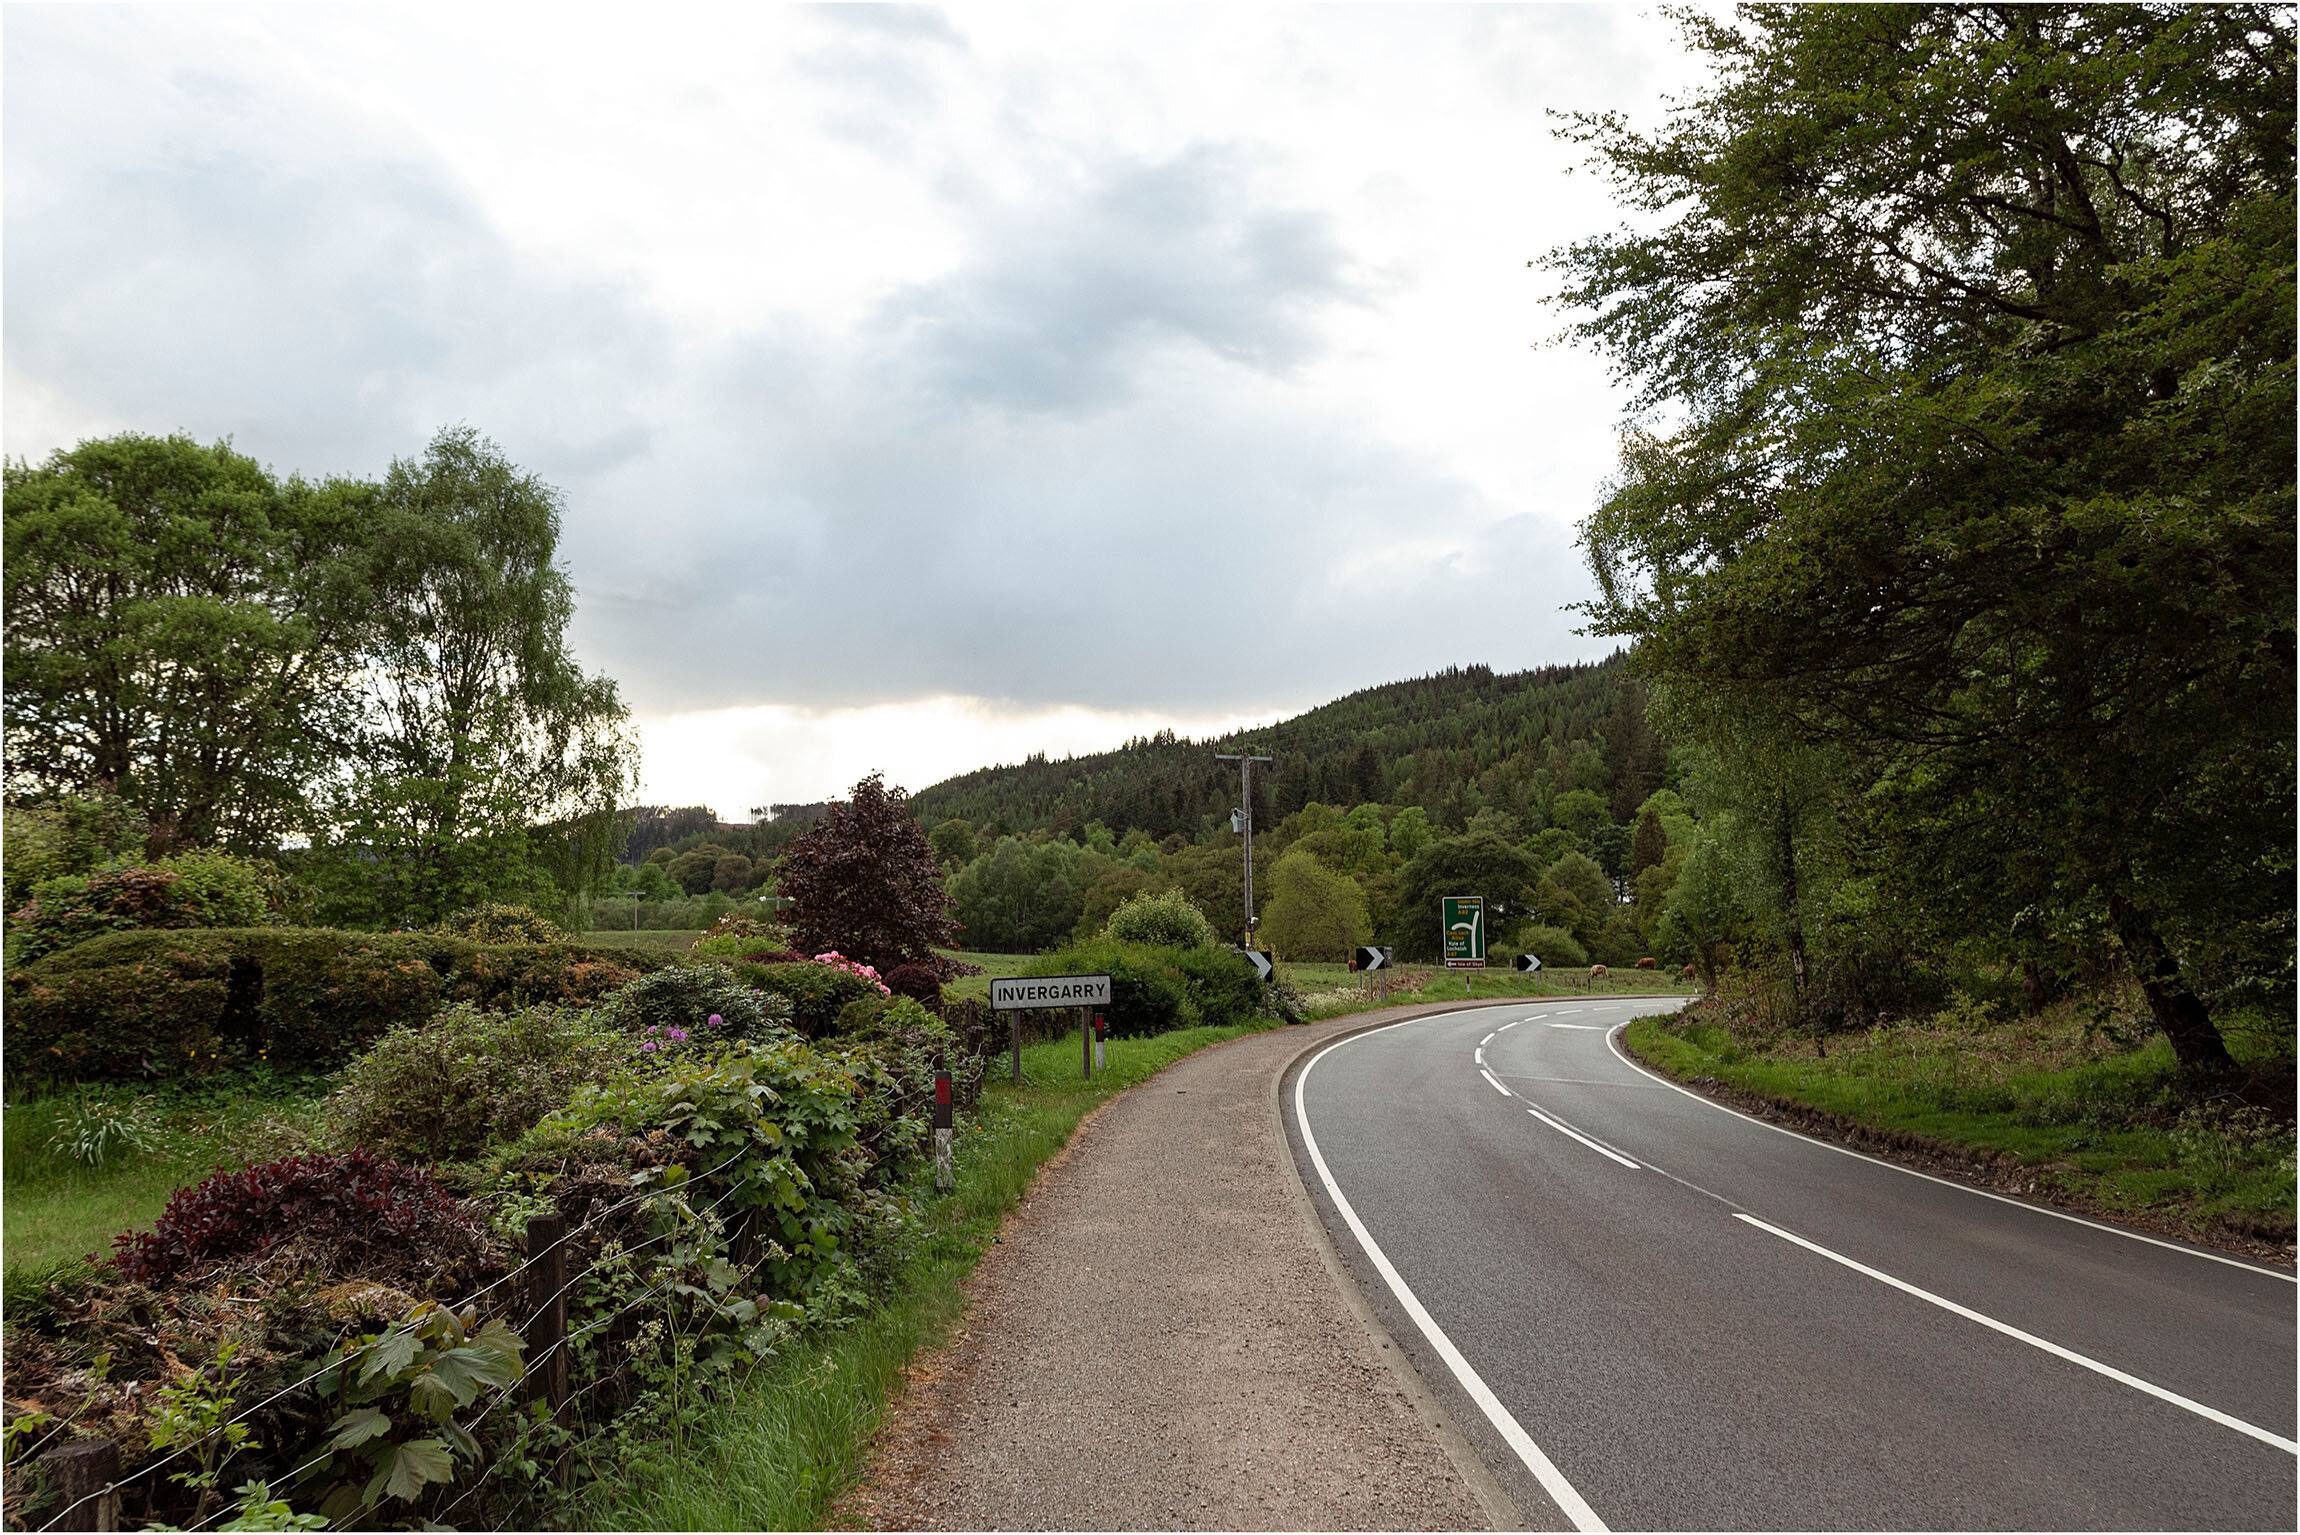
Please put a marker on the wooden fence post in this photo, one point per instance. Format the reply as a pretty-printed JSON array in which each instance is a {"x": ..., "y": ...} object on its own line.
[
  {"x": 85, "y": 1472},
  {"x": 547, "y": 1333}
]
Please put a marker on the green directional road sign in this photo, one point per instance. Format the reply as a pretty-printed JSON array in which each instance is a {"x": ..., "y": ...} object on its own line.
[{"x": 1463, "y": 917}]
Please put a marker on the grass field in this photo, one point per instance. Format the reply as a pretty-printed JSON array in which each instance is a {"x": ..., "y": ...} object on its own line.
[
  {"x": 663, "y": 942},
  {"x": 1329, "y": 991},
  {"x": 993, "y": 966},
  {"x": 783, "y": 1446},
  {"x": 2089, "y": 1116}
]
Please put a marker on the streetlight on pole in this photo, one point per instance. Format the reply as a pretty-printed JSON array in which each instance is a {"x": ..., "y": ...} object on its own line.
[{"x": 1245, "y": 821}]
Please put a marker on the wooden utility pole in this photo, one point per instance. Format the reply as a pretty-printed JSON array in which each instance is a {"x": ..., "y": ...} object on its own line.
[{"x": 1246, "y": 763}]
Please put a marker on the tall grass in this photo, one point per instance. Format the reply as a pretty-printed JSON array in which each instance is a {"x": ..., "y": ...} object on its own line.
[{"x": 782, "y": 1446}]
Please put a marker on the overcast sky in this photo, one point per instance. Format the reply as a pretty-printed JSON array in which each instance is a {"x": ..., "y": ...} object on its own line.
[{"x": 926, "y": 387}]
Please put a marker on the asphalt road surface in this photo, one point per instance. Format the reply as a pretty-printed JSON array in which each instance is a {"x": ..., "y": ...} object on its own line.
[{"x": 1648, "y": 1312}]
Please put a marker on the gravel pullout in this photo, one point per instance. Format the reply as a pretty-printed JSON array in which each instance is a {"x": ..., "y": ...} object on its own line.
[{"x": 1158, "y": 1344}]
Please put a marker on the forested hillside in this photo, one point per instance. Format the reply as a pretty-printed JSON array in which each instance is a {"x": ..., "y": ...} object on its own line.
[{"x": 1460, "y": 741}]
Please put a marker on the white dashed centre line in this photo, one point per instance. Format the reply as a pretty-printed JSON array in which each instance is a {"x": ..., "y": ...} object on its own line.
[{"x": 1567, "y": 1130}]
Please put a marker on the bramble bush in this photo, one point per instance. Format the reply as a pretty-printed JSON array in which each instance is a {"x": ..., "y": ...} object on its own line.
[{"x": 469, "y": 1079}]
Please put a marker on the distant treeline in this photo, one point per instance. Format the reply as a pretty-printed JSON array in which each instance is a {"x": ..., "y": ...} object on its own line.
[{"x": 1456, "y": 742}]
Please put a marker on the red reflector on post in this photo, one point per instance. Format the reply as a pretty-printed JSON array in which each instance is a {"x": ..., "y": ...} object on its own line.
[{"x": 942, "y": 1088}]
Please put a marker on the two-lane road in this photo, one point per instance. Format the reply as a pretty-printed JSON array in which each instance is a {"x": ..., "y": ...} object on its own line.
[{"x": 1647, "y": 1311}]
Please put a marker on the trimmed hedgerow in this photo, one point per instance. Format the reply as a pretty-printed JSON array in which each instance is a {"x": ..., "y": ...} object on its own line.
[{"x": 156, "y": 1003}]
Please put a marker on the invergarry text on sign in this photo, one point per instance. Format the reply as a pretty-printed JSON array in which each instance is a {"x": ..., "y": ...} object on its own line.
[{"x": 1050, "y": 991}]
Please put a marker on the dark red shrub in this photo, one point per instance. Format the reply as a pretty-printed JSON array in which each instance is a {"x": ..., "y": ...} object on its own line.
[
  {"x": 864, "y": 882},
  {"x": 920, "y": 983},
  {"x": 350, "y": 1207}
]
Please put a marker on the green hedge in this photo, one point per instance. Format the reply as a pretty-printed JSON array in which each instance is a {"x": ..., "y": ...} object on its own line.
[
  {"x": 1153, "y": 990},
  {"x": 158, "y": 1003}
]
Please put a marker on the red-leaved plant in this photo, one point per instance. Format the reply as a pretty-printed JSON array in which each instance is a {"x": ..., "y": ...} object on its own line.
[{"x": 353, "y": 1205}]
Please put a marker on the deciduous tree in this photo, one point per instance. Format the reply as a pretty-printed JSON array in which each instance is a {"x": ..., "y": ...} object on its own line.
[
  {"x": 181, "y": 629},
  {"x": 1975, "y": 328}
]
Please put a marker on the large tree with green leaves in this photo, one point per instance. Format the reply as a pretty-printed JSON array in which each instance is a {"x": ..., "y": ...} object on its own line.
[
  {"x": 479, "y": 726},
  {"x": 181, "y": 630},
  {"x": 1963, "y": 340}
]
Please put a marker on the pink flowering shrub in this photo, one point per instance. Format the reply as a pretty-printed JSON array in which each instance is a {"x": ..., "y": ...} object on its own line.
[{"x": 838, "y": 961}]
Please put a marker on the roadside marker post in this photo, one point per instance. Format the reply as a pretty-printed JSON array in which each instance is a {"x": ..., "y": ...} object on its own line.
[
  {"x": 1100, "y": 1028},
  {"x": 944, "y": 1172},
  {"x": 1086, "y": 1044}
]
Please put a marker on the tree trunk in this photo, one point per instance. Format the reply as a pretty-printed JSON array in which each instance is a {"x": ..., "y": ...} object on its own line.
[{"x": 2179, "y": 1012}]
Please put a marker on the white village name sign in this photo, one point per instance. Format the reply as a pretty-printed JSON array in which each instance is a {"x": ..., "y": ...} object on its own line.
[{"x": 1050, "y": 991}]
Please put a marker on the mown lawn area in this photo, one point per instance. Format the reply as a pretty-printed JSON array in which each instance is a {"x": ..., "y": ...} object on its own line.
[
  {"x": 2098, "y": 1117},
  {"x": 783, "y": 1445},
  {"x": 86, "y": 1164}
]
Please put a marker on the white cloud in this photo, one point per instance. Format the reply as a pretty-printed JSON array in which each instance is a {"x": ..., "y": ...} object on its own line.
[{"x": 1154, "y": 364}]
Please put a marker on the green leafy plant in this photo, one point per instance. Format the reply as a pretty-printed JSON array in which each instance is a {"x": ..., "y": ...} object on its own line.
[
  {"x": 1164, "y": 919},
  {"x": 688, "y": 995},
  {"x": 502, "y": 922},
  {"x": 195, "y": 1415},
  {"x": 399, "y": 1392}
]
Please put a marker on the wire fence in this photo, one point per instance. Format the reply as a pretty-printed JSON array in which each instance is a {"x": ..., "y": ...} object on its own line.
[{"x": 535, "y": 1307}]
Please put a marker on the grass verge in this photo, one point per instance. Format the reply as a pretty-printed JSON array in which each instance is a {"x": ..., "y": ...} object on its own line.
[
  {"x": 2039, "y": 1106},
  {"x": 777, "y": 1450}
]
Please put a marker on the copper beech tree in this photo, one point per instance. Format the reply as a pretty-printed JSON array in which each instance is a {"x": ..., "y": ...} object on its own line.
[{"x": 864, "y": 882}]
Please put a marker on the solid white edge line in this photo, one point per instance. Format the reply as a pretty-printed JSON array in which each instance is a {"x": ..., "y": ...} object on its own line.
[
  {"x": 1496, "y": 1081},
  {"x": 1603, "y": 1151},
  {"x": 1553, "y": 1482},
  {"x": 2031, "y": 1339},
  {"x": 1613, "y": 1039}
]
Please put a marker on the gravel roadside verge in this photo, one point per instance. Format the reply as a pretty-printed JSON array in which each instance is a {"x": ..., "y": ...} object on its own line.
[{"x": 1158, "y": 1343}]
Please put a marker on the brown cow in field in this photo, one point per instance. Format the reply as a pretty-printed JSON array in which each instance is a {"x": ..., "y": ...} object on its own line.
[
  {"x": 1597, "y": 970},
  {"x": 1687, "y": 973},
  {"x": 1646, "y": 963}
]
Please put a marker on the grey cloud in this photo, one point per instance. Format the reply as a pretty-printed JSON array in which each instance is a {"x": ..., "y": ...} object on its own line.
[
  {"x": 1061, "y": 299},
  {"x": 256, "y": 266},
  {"x": 1070, "y": 471}
]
